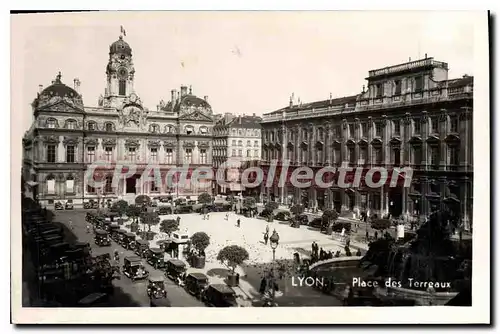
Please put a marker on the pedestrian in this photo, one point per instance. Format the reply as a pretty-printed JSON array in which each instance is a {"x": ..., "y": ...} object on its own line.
[
  {"x": 178, "y": 219},
  {"x": 88, "y": 228},
  {"x": 376, "y": 235},
  {"x": 238, "y": 222},
  {"x": 70, "y": 224},
  {"x": 348, "y": 241},
  {"x": 208, "y": 216},
  {"x": 266, "y": 237},
  {"x": 367, "y": 236},
  {"x": 227, "y": 215},
  {"x": 267, "y": 229},
  {"x": 263, "y": 285}
]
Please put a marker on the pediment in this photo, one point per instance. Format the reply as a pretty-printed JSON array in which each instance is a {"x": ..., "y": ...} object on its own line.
[
  {"x": 60, "y": 105},
  {"x": 196, "y": 116}
]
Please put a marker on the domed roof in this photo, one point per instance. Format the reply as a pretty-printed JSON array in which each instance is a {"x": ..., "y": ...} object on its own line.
[
  {"x": 121, "y": 47},
  {"x": 193, "y": 101},
  {"x": 59, "y": 89}
]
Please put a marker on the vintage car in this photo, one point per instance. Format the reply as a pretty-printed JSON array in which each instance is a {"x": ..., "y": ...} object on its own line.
[
  {"x": 196, "y": 283},
  {"x": 183, "y": 209},
  {"x": 282, "y": 216},
  {"x": 134, "y": 269},
  {"x": 141, "y": 247},
  {"x": 68, "y": 205},
  {"x": 219, "y": 295},
  {"x": 95, "y": 299},
  {"x": 91, "y": 204},
  {"x": 175, "y": 269},
  {"x": 113, "y": 231},
  {"x": 164, "y": 210},
  {"x": 102, "y": 238},
  {"x": 156, "y": 258},
  {"x": 58, "y": 206},
  {"x": 111, "y": 217},
  {"x": 156, "y": 287},
  {"x": 129, "y": 240},
  {"x": 105, "y": 225},
  {"x": 120, "y": 239},
  {"x": 316, "y": 223}
]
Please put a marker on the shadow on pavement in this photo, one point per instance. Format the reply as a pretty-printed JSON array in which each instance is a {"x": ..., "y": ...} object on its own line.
[{"x": 119, "y": 298}]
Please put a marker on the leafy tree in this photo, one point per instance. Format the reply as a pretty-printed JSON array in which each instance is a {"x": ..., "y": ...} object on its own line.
[
  {"x": 297, "y": 209},
  {"x": 271, "y": 206},
  {"x": 232, "y": 256},
  {"x": 134, "y": 211},
  {"x": 169, "y": 225},
  {"x": 205, "y": 198},
  {"x": 200, "y": 241},
  {"x": 249, "y": 202},
  {"x": 150, "y": 219},
  {"x": 120, "y": 207},
  {"x": 330, "y": 216},
  {"x": 381, "y": 224},
  {"x": 142, "y": 200}
]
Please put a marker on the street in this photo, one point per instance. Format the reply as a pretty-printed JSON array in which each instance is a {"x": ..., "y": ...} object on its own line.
[{"x": 127, "y": 293}]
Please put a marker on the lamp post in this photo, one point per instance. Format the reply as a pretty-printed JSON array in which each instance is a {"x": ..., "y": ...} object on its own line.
[{"x": 274, "y": 241}]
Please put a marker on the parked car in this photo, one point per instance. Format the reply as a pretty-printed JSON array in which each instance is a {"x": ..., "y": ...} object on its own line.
[
  {"x": 164, "y": 210},
  {"x": 282, "y": 216},
  {"x": 183, "y": 209},
  {"x": 68, "y": 205},
  {"x": 316, "y": 223},
  {"x": 58, "y": 206}
]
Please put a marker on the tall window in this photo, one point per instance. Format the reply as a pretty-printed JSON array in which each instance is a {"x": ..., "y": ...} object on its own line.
[
  {"x": 132, "y": 154},
  {"x": 352, "y": 156},
  {"x": 417, "y": 154},
  {"x": 51, "y": 153},
  {"x": 122, "y": 84},
  {"x": 397, "y": 87},
  {"x": 453, "y": 124},
  {"x": 453, "y": 155},
  {"x": 91, "y": 154},
  {"x": 256, "y": 143},
  {"x": 71, "y": 124},
  {"x": 169, "y": 155},
  {"x": 70, "y": 153},
  {"x": 416, "y": 126},
  {"x": 363, "y": 154},
  {"x": 51, "y": 186},
  {"x": 233, "y": 153},
  {"x": 154, "y": 154},
  {"x": 92, "y": 126},
  {"x": 378, "y": 129},
  {"x": 377, "y": 155},
  {"x": 364, "y": 130},
  {"x": 240, "y": 153},
  {"x": 203, "y": 156},
  {"x": 249, "y": 153},
  {"x": 248, "y": 143},
  {"x": 397, "y": 127},
  {"x": 234, "y": 142},
  {"x": 419, "y": 84},
  {"x": 188, "y": 157},
  {"x": 240, "y": 143},
  {"x": 51, "y": 123},
  {"x": 434, "y": 155},
  {"x": 396, "y": 156},
  {"x": 70, "y": 185},
  {"x": 256, "y": 153},
  {"x": 351, "y": 130},
  {"x": 337, "y": 156},
  {"x": 108, "y": 153},
  {"x": 378, "y": 90},
  {"x": 108, "y": 186},
  {"x": 434, "y": 125}
]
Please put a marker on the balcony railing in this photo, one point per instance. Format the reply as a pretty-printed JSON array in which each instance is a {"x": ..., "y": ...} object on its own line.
[{"x": 407, "y": 66}]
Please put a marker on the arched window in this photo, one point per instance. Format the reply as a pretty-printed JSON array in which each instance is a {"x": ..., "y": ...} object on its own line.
[
  {"x": 203, "y": 130},
  {"x": 70, "y": 185},
  {"x": 154, "y": 128},
  {"x": 70, "y": 124},
  {"x": 51, "y": 123},
  {"x": 92, "y": 126},
  {"x": 51, "y": 184},
  {"x": 122, "y": 84},
  {"x": 189, "y": 129},
  {"x": 169, "y": 129},
  {"x": 109, "y": 127},
  {"x": 240, "y": 143},
  {"x": 108, "y": 187}
]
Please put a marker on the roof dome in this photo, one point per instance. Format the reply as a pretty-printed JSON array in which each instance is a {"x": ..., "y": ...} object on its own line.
[
  {"x": 58, "y": 91},
  {"x": 120, "y": 46}
]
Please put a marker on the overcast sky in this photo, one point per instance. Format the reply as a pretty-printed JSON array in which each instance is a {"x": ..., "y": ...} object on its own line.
[{"x": 246, "y": 62}]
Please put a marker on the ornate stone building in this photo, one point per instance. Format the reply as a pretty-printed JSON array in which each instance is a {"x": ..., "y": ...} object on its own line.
[
  {"x": 236, "y": 139},
  {"x": 67, "y": 137},
  {"x": 411, "y": 115}
]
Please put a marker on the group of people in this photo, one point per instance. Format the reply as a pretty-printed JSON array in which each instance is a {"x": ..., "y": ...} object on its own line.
[{"x": 318, "y": 254}]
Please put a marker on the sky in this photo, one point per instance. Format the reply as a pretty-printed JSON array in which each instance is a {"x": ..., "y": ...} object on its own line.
[{"x": 245, "y": 62}]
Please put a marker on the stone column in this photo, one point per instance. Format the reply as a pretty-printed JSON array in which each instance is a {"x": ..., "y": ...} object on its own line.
[
  {"x": 328, "y": 144},
  {"x": 425, "y": 134},
  {"x": 370, "y": 139}
]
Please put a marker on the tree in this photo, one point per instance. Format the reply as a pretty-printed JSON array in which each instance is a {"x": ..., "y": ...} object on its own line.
[
  {"x": 205, "y": 198},
  {"x": 200, "y": 241},
  {"x": 134, "y": 212},
  {"x": 232, "y": 256},
  {"x": 249, "y": 202},
  {"x": 271, "y": 206},
  {"x": 120, "y": 207},
  {"x": 142, "y": 200},
  {"x": 169, "y": 225},
  {"x": 297, "y": 209},
  {"x": 150, "y": 219},
  {"x": 381, "y": 224},
  {"x": 330, "y": 216}
]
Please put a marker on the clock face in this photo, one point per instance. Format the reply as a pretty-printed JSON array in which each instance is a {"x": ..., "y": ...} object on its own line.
[
  {"x": 133, "y": 97},
  {"x": 122, "y": 73},
  {"x": 122, "y": 57}
]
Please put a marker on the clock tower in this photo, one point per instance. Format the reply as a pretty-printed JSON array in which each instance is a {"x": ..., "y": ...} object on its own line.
[{"x": 120, "y": 74}]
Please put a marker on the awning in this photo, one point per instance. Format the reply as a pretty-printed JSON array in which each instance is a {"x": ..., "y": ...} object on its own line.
[{"x": 31, "y": 183}]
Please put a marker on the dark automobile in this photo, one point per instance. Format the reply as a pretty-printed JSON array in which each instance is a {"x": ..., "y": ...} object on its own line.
[
  {"x": 195, "y": 284},
  {"x": 183, "y": 209},
  {"x": 175, "y": 269},
  {"x": 102, "y": 238},
  {"x": 282, "y": 216},
  {"x": 156, "y": 258},
  {"x": 303, "y": 219},
  {"x": 91, "y": 204},
  {"x": 58, "y": 206},
  {"x": 219, "y": 295},
  {"x": 164, "y": 210},
  {"x": 156, "y": 288},
  {"x": 141, "y": 247},
  {"x": 113, "y": 231},
  {"x": 120, "y": 238},
  {"x": 316, "y": 223},
  {"x": 338, "y": 226},
  {"x": 129, "y": 241},
  {"x": 134, "y": 269},
  {"x": 68, "y": 205}
]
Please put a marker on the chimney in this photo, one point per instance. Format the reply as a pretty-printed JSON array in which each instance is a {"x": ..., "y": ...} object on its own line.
[
  {"x": 40, "y": 88},
  {"x": 330, "y": 98},
  {"x": 205, "y": 98},
  {"x": 172, "y": 98},
  {"x": 426, "y": 56},
  {"x": 178, "y": 97},
  {"x": 183, "y": 91},
  {"x": 253, "y": 115},
  {"x": 190, "y": 90},
  {"x": 239, "y": 119},
  {"x": 76, "y": 83},
  {"x": 409, "y": 59}
]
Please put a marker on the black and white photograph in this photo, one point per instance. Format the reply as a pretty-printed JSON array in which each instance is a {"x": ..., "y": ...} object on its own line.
[{"x": 319, "y": 164}]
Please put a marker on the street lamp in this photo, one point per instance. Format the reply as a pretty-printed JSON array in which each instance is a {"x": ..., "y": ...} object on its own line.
[{"x": 274, "y": 241}]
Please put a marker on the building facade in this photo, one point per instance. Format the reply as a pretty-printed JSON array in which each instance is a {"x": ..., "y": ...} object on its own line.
[
  {"x": 67, "y": 138},
  {"x": 237, "y": 144},
  {"x": 410, "y": 115}
]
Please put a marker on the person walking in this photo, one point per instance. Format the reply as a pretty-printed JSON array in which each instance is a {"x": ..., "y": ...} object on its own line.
[
  {"x": 267, "y": 229},
  {"x": 266, "y": 237}
]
